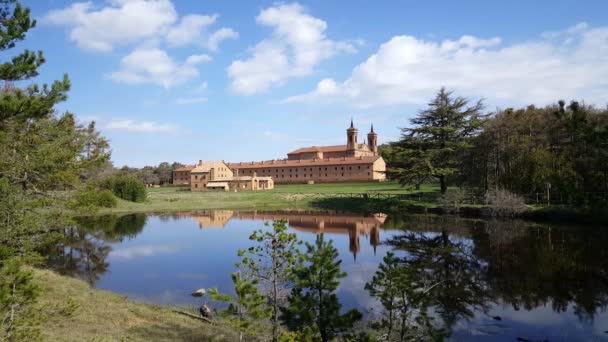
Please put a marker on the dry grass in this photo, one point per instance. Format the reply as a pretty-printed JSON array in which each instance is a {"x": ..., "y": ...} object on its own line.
[{"x": 76, "y": 312}]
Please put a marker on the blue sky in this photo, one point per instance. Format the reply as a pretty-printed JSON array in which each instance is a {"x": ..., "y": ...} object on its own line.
[{"x": 251, "y": 80}]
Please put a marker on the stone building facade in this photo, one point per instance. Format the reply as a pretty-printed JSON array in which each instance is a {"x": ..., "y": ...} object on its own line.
[
  {"x": 217, "y": 175},
  {"x": 352, "y": 162},
  {"x": 181, "y": 176}
]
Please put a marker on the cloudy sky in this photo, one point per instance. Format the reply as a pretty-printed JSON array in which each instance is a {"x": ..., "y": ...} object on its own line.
[{"x": 250, "y": 80}]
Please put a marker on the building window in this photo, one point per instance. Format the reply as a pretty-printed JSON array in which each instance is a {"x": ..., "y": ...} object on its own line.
[
  {"x": 342, "y": 175},
  {"x": 195, "y": 177},
  {"x": 350, "y": 168},
  {"x": 359, "y": 167},
  {"x": 196, "y": 185}
]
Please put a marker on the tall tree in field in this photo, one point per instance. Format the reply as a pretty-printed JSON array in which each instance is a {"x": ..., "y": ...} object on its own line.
[
  {"x": 313, "y": 302},
  {"x": 271, "y": 262},
  {"x": 433, "y": 146}
]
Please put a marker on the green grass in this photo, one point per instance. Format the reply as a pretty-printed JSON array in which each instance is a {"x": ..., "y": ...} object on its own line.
[
  {"x": 76, "y": 312},
  {"x": 296, "y": 196}
]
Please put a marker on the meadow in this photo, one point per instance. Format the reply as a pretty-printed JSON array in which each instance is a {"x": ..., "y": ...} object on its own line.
[{"x": 292, "y": 196}]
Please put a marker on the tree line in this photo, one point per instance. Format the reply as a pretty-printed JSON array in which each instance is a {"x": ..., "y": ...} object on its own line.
[
  {"x": 552, "y": 154},
  {"x": 161, "y": 174}
]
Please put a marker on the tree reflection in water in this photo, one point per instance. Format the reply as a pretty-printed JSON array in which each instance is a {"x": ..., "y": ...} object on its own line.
[
  {"x": 474, "y": 264},
  {"x": 86, "y": 244}
]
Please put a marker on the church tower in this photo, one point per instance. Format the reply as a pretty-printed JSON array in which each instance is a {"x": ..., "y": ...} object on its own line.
[
  {"x": 351, "y": 139},
  {"x": 372, "y": 141}
]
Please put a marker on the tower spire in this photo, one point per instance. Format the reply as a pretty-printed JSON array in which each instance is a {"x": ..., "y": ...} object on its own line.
[
  {"x": 372, "y": 128},
  {"x": 351, "y": 123}
]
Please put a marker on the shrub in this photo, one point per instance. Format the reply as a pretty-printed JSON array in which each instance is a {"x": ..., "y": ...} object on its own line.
[
  {"x": 453, "y": 198},
  {"x": 106, "y": 199},
  {"x": 125, "y": 187},
  {"x": 505, "y": 203},
  {"x": 91, "y": 199}
]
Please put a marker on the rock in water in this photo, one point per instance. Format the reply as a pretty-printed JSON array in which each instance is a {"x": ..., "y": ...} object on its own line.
[
  {"x": 205, "y": 311},
  {"x": 199, "y": 293}
]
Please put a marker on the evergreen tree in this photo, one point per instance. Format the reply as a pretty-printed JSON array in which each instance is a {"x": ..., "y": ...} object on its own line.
[
  {"x": 40, "y": 151},
  {"x": 34, "y": 101},
  {"x": 434, "y": 146},
  {"x": 271, "y": 262},
  {"x": 404, "y": 302},
  {"x": 313, "y": 302},
  {"x": 248, "y": 306}
]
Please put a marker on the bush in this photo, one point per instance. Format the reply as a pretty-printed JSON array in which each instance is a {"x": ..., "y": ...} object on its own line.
[
  {"x": 505, "y": 203},
  {"x": 125, "y": 187},
  {"x": 453, "y": 199},
  {"x": 91, "y": 198}
]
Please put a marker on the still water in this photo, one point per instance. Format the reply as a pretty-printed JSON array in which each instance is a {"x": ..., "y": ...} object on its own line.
[{"x": 498, "y": 280}]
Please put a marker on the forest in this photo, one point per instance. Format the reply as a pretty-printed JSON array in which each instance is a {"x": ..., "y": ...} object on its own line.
[{"x": 556, "y": 154}]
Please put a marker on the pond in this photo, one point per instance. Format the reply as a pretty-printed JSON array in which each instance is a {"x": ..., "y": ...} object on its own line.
[{"x": 497, "y": 280}]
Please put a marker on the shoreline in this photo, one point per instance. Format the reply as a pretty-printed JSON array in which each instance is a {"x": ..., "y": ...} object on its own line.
[
  {"x": 75, "y": 311},
  {"x": 318, "y": 198}
]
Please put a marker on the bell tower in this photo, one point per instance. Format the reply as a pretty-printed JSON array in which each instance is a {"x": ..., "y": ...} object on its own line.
[
  {"x": 351, "y": 139},
  {"x": 372, "y": 141}
]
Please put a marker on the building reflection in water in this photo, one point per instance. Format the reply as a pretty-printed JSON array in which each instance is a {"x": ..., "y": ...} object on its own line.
[
  {"x": 212, "y": 219},
  {"x": 331, "y": 223}
]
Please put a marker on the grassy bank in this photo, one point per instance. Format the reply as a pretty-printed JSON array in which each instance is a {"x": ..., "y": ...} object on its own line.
[
  {"x": 296, "y": 196},
  {"x": 74, "y": 311}
]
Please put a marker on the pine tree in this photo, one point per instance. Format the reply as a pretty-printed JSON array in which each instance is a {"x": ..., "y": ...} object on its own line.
[
  {"x": 34, "y": 101},
  {"x": 403, "y": 300},
  {"x": 39, "y": 152},
  {"x": 433, "y": 147},
  {"x": 313, "y": 302},
  {"x": 271, "y": 262},
  {"x": 248, "y": 306}
]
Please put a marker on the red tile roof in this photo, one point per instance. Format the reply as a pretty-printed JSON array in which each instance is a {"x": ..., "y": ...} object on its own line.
[
  {"x": 185, "y": 168},
  {"x": 305, "y": 162},
  {"x": 334, "y": 148}
]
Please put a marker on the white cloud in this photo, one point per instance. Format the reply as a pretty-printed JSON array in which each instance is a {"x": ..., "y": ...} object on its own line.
[
  {"x": 407, "y": 70},
  {"x": 219, "y": 36},
  {"x": 121, "y": 23},
  {"x": 124, "y": 22},
  {"x": 297, "y": 45},
  {"x": 190, "y": 100},
  {"x": 189, "y": 29},
  {"x": 197, "y": 59},
  {"x": 154, "y": 66},
  {"x": 193, "y": 30},
  {"x": 128, "y": 253},
  {"x": 141, "y": 126},
  {"x": 201, "y": 88}
]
